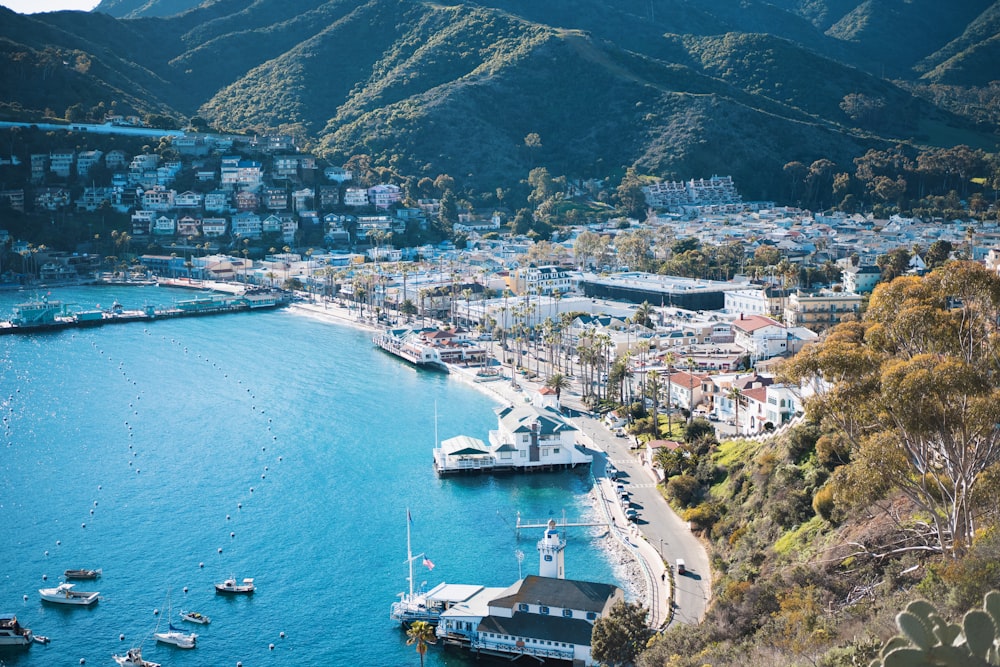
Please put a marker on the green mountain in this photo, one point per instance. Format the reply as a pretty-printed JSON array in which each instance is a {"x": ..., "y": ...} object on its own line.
[{"x": 675, "y": 88}]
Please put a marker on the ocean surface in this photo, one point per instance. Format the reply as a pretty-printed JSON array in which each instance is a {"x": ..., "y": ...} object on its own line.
[{"x": 271, "y": 445}]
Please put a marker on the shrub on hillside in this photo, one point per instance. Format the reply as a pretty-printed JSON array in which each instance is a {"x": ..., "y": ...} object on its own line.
[{"x": 684, "y": 489}]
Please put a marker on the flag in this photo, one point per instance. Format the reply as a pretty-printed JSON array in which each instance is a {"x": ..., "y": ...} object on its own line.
[{"x": 428, "y": 564}]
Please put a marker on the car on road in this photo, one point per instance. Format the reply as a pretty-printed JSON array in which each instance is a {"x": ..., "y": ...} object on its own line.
[
  {"x": 681, "y": 567},
  {"x": 631, "y": 514}
]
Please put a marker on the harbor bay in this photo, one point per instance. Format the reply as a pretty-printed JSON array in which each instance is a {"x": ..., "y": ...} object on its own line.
[{"x": 271, "y": 445}]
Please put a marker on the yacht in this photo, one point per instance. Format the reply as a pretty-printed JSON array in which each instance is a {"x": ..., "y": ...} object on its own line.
[
  {"x": 11, "y": 632},
  {"x": 64, "y": 594}
]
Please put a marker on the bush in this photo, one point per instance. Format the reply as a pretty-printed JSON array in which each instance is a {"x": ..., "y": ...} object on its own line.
[
  {"x": 823, "y": 503},
  {"x": 684, "y": 489},
  {"x": 703, "y": 515}
]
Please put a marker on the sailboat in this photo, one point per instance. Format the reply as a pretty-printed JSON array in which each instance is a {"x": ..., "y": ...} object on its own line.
[
  {"x": 175, "y": 636},
  {"x": 416, "y": 605}
]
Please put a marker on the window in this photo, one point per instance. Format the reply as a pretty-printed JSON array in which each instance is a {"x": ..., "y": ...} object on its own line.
[
  {"x": 568, "y": 613},
  {"x": 543, "y": 610},
  {"x": 548, "y": 558},
  {"x": 522, "y": 607},
  {"x": 545, "y": 451},
  {"x": 555, "y": 451},
  {"x": 591, "y": 615}
]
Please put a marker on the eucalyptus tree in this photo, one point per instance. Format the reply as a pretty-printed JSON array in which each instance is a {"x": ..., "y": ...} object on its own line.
[{"x": 914, "y": 389}]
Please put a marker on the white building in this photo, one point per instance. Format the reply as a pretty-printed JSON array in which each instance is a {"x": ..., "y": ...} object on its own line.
[
  {"x": 541, "y": 617},
  {"x": 528, "y": 437},
  {"x": 760, "y": 336}
]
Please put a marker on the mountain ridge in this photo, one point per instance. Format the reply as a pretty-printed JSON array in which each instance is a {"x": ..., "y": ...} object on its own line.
[{"x": 603, "y": 85}]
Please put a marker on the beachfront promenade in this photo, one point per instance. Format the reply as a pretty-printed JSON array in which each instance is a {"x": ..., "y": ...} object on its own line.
[{"x": 656, "y": 540}]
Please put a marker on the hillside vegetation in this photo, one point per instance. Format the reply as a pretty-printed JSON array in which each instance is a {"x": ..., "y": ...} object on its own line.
[
  {"x": 674, "y": 88},
  {"x": 821, "y": 535}
]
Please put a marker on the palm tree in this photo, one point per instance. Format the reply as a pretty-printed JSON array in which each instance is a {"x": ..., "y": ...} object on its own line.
[
  {"x": 653, "y": 382},
  {"x": 420, "y": 633},
  {"x": 669, "y": 359},
  {"x": 557, "y": 382},
  {"x": 735, "y": 394},
  {"x": 691, "y": 366}
]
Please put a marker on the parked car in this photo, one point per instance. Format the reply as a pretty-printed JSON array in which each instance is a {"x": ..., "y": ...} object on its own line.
[
  {"x": 631, "y": 514},
  {"x": 621, "y": 490},
  {"x": 619, "y": 432}
]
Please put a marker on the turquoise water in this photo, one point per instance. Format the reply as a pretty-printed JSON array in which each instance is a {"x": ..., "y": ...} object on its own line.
[{"x": 269, "y": 445}]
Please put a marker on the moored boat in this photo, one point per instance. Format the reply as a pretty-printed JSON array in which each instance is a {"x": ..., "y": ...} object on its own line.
[
  {"x": 230, "y": 587},
  {"x": 82, "y": 574},
  {"x": 414, "y": 605},
  {"x": 195, "y": 617},
  {"x": 133, "y": 658},
  {"x": 177, "y": 637},
  {"x": 41, "y": 639},
  {"x": 12, "y": 633},
  {"x": 64, "y": 594}
]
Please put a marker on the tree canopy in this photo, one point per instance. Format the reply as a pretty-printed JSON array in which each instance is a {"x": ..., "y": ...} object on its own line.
[{"x": 914, "y": 388}]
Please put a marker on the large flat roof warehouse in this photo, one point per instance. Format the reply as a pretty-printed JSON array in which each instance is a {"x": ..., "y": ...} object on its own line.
[{"x": 677, "y": 291}]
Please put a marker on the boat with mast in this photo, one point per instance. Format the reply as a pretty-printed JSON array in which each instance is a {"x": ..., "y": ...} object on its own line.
[
  {"x": 175, "y": 636},
  {"x": 416, "y": 605}
]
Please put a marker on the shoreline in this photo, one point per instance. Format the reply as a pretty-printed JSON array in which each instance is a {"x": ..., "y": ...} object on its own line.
[{"x": 627, "y": 561}]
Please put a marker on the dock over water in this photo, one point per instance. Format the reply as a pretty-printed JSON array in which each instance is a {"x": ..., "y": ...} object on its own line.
[{"x": 43, "y": 314}]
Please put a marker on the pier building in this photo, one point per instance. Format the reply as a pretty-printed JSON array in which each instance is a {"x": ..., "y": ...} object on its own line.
[{"x": 541, "y": 617}]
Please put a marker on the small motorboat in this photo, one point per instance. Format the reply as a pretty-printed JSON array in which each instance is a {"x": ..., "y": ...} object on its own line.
[
  {"x": 42, "y": 639},
  {"x": 177, "y": 637},
  {"x": 230, "y": 587},
  {"x": 133, "y": 658},
  {"x": 82, "y": 574},
  {"x": 195, "y": 617},
  {"x": 64, "y": 594}
]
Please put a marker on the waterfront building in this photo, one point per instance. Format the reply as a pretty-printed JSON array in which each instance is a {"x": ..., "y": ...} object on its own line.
[
  {"x": 541, "y": 617},
  {"x": 528, "y": 437}
]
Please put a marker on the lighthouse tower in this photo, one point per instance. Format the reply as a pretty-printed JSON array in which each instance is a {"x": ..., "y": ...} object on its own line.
[{"x": 550, "y": 553}]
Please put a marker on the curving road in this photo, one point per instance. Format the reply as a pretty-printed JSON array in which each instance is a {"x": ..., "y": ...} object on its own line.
[{"x": 662, "y": 528}]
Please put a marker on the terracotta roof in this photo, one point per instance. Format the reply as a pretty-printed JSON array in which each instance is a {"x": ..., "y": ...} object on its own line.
[
  {"x": 750, "y": 323},
  {"x": 759, "y": 394}
]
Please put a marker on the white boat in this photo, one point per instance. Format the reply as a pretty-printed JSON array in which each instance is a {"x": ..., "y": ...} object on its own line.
[
  {"x": 414, "y": 605},
  {"x": 229, "y": 586},
  {"x": 64, "y": 594},
  {"x": 195, "y": 617},
  {"x": 11, "y": 632},
  {"x": 177, "y": 637},
  {"x": 133, "y": 658}
]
